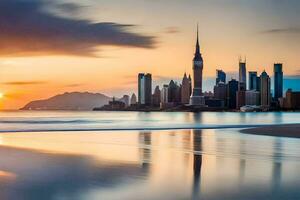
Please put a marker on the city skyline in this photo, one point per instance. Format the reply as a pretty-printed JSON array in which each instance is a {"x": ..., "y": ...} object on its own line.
[
  {"x": 36, "y": 73},
  {"x": 233, "y": 95}
]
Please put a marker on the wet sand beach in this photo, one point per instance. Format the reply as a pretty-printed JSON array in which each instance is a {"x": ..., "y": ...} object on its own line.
[
  {"x": 163, "y": 165},
  {"x": 162, "y": 162},
  {"x": 292, "y": 130}
]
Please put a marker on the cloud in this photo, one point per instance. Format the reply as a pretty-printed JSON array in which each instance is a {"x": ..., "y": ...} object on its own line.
[
  {"x": 172, "y": 30},
  {"x": 291, "y": 30},
  {"x": 27, "y": 28},
  {"x": 23, "y": 83},
  {"x": 68, "y": 7},
  {"x": 74, "y": 85}
]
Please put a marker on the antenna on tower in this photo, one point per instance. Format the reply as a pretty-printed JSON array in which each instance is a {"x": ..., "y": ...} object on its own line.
[{"x": 197, "y": 33}]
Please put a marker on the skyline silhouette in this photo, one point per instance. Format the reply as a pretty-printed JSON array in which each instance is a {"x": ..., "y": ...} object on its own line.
[{"x": 68, "y": 46}]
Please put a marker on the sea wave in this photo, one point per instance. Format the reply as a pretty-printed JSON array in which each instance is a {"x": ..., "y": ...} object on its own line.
[
  {"x": 150, "y": 128},
  {"x": 45, "y": 121}
]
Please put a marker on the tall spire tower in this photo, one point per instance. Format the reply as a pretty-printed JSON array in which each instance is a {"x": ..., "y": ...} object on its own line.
[
  {"x": 197, "y": 53},
  {"x": 197, "y": 99}
]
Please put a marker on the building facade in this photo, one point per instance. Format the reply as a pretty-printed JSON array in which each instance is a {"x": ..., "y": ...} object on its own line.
[
  {"x": 156, "y": 97},
  {"x": 265, "y": 89},
  {"x": 242, "y": 75},
  {"x": 252, "y": 98},
  {"x": 197, "y": 98},
  {"x": 220, "y": 91},
  {"x": 185, "y": 90},
  {"x": 253, "y": 81},
  {"x": 232, "y": 88},
  {"x": 164, "y": 94},
  {"x": 291, "y": 101},
  {"x": 174, "y": 93},
  {"x": 145, "y": 89},
  {"x": 133, "y": 100},
  {"x": 278, "y": 81},
  {"x": 220, "y": 76},
  {"x": 240, "y": 99}
]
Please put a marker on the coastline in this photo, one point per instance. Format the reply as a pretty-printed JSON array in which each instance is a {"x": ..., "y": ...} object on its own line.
[{"x": 285, "y": 130}]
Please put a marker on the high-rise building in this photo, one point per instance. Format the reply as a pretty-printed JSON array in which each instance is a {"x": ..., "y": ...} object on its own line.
[
  {"x": 253, "y": 81},
  {"x": 156, "y": 97},
  {"x": 145, "y": 89},
  {"x": 197, "y": 98},
  {"x": 133, "y": 100},
  {"x": 291, "y": 101},
  {"x": 191, "y": 86},
  {"x": 174, "y": 94},
  {"x": 232, "y": 88},
  {"x": 242, "y": 75},
  {"x": 240, "y": 99},
  {"x": 185, "y": 90},
  {"x": 278, "y": 81},
  {"x": 164, "y": 102},
  {"x": 221, "y": 76},
  {"x": 252, "y": 98},
  {"x": 265, "y": 89},
  {"x": 164, "y": 94},
  {"x": 220, "y": 91},
  {"x": 258, "y": 84}
]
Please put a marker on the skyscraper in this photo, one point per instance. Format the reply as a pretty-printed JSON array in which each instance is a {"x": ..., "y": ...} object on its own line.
[
  {"x": 174, "y": 95},
  {"x": 252, "y": 98},
  {"x": 197, "y": 98},
  {"x": 265, "y": 87},
  {"x": 232, "y": 89},
  {"x": 185, "y": 90},
  {"x": 253, "y": 81},
  {"x": 278, "y": 81},
  {"x": 156, "y": 97},
  {"x": 220, "y": 92},
  {"x": 145, "y": 89},
  {"x": 221, "y": 76},
  {"x": 164, "y": 94},
  {"x": 242, "y": 75}
]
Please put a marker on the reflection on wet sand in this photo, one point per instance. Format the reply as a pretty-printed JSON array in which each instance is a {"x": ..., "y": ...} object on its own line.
[
  {"x": 197, "y": 144},
  {"x": 49, "y": 176},
  {"x": 163, "y": 165},
  {"x": 277, "y": 165},
  {"x": 145, "y": 140}
]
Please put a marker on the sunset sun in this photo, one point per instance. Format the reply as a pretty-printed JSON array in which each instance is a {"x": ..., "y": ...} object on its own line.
[{"x": 1, "y": 95}]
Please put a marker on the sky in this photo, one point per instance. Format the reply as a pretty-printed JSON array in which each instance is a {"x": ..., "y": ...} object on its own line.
[{"x": 49, "y": 47}]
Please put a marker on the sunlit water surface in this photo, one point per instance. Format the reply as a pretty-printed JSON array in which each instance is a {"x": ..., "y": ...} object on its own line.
[
  {"x": 26, "y": 121},
  {"x": 148, "y": 164}
]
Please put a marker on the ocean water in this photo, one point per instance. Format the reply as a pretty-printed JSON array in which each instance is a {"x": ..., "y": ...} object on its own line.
[
  {"x": 26, "y": 121},
  {"x": 103, "y": 155}
]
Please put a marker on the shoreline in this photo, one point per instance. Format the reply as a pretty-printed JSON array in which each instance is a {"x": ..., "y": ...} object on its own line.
[
  {"x": 247, "y": 128},
  {"x": 282, "y": 130}
]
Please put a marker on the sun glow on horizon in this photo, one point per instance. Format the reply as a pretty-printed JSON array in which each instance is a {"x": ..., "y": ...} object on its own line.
[{"x": 1, "y": 95}]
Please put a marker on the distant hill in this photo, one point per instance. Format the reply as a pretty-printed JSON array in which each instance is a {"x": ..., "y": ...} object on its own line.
[{"x": 69, "y": 101}]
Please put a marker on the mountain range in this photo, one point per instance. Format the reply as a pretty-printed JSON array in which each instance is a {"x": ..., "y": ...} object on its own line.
[{"x": 69, "y": 101}]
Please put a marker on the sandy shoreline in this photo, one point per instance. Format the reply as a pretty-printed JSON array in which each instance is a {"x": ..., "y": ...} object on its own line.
[{"x": 292, "y": 130}]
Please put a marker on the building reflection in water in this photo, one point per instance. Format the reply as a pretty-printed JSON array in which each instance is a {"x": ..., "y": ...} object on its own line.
[
  {"x": 197, "y": 147},
  {"x": 197, "y": 118},
  {"x": 242, "y": 168},
  {"x": 145, "y": 149},
  {"x": 277, "y": 165}
]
